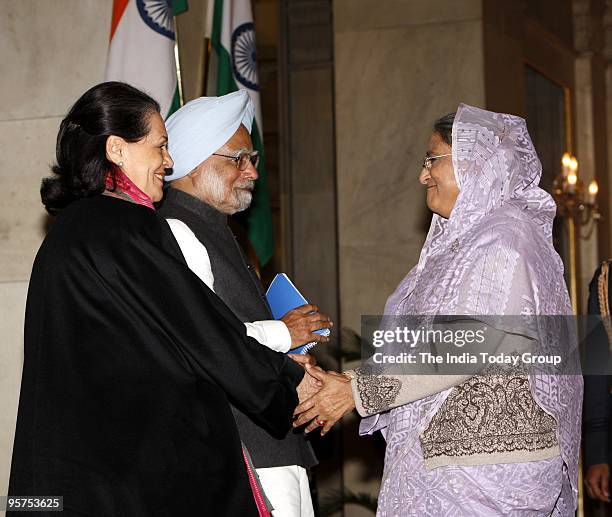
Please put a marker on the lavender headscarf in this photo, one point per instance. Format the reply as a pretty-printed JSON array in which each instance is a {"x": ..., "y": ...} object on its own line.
[{"x": 492, "y": 256}]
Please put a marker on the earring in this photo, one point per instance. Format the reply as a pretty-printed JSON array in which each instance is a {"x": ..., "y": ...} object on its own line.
[{"x": 120, "y": 164}]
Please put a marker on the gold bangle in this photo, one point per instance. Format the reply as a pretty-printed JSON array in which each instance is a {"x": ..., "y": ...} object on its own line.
[{"x": 350, "y": 376}]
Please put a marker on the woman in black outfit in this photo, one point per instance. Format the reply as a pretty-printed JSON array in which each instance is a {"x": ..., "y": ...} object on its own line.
[{"x": 130, "y": 361}]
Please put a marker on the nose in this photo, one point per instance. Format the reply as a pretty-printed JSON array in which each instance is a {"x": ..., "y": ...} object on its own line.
[
  {"x": 250, "y": 172},
  {"x": 424, "y": 176},
  {"x": 168, "y": 161}
]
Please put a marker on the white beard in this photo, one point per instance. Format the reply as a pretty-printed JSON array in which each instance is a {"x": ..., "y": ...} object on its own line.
[
  {"x": 217, "y": 190},
  {"x": 244, "y": 197}
]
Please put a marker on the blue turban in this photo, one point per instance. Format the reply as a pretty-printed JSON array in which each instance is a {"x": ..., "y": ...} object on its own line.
[{"x": 204, "y": 125}]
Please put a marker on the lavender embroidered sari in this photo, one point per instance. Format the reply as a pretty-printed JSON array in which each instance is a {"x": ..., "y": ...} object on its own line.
[{"x": 493, "y": 256}]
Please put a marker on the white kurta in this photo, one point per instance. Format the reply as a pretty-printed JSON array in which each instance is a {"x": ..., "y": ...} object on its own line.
[{"x": 271, "y": 333}]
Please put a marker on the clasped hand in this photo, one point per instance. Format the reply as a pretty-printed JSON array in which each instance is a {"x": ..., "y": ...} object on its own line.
[{"x": 325, "y": 397}]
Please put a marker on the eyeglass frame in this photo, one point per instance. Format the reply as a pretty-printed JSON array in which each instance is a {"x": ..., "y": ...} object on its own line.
[
  {"x": 252, "y": 155},
  {"x": 428, "y": 160}
]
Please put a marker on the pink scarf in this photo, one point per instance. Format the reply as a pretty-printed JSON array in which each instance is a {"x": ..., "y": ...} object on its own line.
[
  {"x": 120, "y": 186},
  {"x": 258, "y": 494}
]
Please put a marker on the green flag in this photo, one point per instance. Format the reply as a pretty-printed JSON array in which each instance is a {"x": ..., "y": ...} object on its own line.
[
  {"x": 179, "y": 6},
  {"x": 233, "y": 38}
]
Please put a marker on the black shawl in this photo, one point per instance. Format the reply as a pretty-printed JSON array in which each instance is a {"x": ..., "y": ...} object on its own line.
[{"x": 130, "y": 362}]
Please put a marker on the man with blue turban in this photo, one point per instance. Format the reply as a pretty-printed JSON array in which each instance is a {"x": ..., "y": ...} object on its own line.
[{"x": 213, "y": 177}]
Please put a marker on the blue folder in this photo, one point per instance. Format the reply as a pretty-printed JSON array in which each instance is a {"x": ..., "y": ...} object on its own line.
[{"x": 283, "y": 296}]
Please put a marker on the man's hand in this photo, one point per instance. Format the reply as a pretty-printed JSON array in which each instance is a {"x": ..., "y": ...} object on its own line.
[
  {"x": 309, "y": 385},
  {"x": 328, "y": 405},
  {"x": 303, "y": 321},
  {"x": 597, "y": 481}
]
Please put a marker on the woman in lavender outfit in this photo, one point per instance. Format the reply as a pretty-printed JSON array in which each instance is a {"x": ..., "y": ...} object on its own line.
[{"x": 484, "y": 444}]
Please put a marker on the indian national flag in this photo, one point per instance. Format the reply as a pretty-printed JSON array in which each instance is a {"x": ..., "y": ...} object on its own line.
[
  {"x": 141, "y": 50},
  {"x": 233, "y": 38}
]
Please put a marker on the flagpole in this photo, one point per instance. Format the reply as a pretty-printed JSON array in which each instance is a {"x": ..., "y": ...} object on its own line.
[
  {"x": 205, "y": 65},
  {"x": 177, "y": 62},
  {"x": 210, "y": 13}
]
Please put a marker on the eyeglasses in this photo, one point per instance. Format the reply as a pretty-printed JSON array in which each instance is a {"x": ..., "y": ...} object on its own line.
[
  {"x": 428, "y": 161},
  {"x": 243, "y": 159}
]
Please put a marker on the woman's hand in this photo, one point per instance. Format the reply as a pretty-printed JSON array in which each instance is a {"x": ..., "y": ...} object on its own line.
[
  {"x": 309, "y": 385},
  {"x": 328, "y": 405}
]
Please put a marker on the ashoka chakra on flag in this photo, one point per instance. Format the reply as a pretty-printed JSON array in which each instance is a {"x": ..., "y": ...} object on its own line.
[
  {"x": 244, "y": 57},
  {"x": 157, "y": 14}
]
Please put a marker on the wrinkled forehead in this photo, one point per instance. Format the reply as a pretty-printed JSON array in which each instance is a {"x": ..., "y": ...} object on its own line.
[{"x": 241, "y": 139}]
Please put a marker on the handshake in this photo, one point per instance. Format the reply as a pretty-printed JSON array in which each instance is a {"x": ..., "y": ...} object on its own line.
[{"x": 325, "y": 397}]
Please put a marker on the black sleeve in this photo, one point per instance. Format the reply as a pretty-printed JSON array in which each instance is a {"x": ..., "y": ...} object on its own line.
[
  {"x": 596, "y": 407},
  {"x": 203, "y": 331},
  {"x": 596, "y": 419}
]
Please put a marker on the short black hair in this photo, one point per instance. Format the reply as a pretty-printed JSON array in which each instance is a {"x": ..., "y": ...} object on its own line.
[
  {"x": 110, "y": 108},
  {"x": 444, "y": 127}
]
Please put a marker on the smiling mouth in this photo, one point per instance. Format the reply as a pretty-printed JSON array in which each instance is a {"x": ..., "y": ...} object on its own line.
[
  {"x": 160, "y": 176},
  {"x": 431, "y": 186}
]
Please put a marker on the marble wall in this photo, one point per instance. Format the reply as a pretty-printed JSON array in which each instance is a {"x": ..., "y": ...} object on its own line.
[
  {"x": 52, "y": 51},
  {"x": 398, "y": 66}
]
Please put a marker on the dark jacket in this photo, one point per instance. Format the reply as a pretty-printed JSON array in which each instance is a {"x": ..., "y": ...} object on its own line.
[
  {"x": 597, "y": 398},
  {"x": 130, "y": 367},
  {"x": 240, "y": 288}
]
